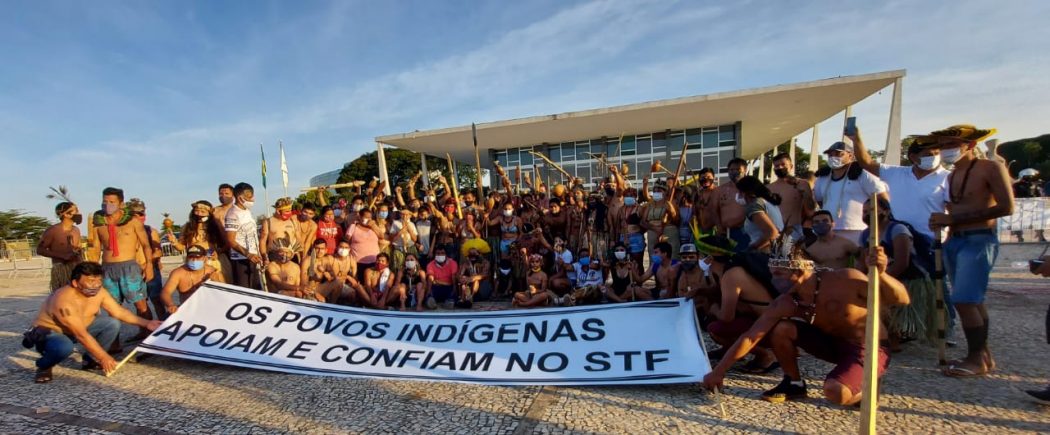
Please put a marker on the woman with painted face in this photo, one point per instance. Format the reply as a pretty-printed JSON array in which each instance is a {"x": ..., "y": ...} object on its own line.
[
  {"x": 328, "y": 230},
  {"x": 510, "y": 228},
  {"x": 763, "y": 221},
  {"x": 201, "y": 230},
  {"x": 624, "y": 289}
]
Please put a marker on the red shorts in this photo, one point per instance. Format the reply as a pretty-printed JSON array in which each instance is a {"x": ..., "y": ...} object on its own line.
[
  {"x": 847, "y": 357},
  {"x": 732, "y": 330}
]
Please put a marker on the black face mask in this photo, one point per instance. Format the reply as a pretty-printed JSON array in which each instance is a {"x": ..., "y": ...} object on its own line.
[
  {"x": 734, "y": 175},
  {"x": 781, "y": 172},
  {"x": 610, "y": 191},
  {"x": 78, "y": 218},
  {"x": 688, "y": 265}
]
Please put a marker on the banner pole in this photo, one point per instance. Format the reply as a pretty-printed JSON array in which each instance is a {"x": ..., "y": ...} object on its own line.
[
  {"x": 121, "y": 363},
  {"x": 869, "y": 398}
]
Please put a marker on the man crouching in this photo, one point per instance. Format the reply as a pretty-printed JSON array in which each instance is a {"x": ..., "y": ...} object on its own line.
[
  {"x": 70, "y": 315},
  {"x": 824, "y": 313}
]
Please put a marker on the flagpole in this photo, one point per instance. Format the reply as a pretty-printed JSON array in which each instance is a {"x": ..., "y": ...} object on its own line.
[
  {"x": 266, "y": 193},
  {"x": 284, "y": 168}
]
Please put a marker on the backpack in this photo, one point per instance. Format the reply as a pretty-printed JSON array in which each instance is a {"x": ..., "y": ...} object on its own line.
[{"x": 923, "y": 258}]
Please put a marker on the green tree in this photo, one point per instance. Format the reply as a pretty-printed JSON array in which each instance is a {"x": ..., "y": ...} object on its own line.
[
  {"x": 1027, "y": 153},
  {"x": 17, "y": 224},
  {"x": 401, "y": 166}
]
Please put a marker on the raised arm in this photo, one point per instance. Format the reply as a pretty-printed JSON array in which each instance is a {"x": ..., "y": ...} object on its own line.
[{"x": 863, "y": 157}]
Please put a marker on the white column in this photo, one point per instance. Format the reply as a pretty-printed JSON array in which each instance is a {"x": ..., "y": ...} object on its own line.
[
  {"x": 791, "y": 151},
  {"x": 383, "y": 175},
  {"x": 814, "y": 146},
  {"x": 762, "y": 167},
  {"x": 893, "y": 130}
]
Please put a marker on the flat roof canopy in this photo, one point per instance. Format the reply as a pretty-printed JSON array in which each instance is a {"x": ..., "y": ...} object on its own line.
[{"x": 770, "y": 116}]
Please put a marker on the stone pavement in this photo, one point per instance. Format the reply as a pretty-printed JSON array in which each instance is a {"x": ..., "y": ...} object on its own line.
[{"x": 161, "y": 395}]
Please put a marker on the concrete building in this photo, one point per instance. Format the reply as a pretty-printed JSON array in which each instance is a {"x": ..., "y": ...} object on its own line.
[{"x": 717, "y": 127}]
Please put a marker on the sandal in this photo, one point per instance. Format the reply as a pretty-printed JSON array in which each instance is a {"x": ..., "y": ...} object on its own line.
[
  {"x": 43, "y": 376},
  {"x": 954, "y": 371}
]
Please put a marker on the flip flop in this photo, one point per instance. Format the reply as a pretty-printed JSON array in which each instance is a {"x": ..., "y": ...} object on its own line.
[
  {"x": 755, "y": 369},
  {"x": 43, "y": 376},
  {"x": 954, "y": 371}
]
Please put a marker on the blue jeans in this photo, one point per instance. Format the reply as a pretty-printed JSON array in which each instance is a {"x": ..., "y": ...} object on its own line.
[{"x": 57, "y": 347}]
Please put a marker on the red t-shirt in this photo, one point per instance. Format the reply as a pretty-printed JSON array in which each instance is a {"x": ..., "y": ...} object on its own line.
[{"x": 331, "y": 233}]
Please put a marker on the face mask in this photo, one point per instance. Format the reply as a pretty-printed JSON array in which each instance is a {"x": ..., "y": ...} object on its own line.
[
  {"x": 78, "y": 218},
  {"x": 90, "y": 291},
  {"x": 109, "y": 208},
  {"x": 822, "y": 229},
  {"x": 658, "y": 196},
  {"x": 740, "y": 199},
  {"x": 951, "y": 155},
  {"x": 630, "y": 200},
  {"x": 585, "y": 261},
  {"x": 337, "y": 212},
  {"x": 836, "y": 162},
  {"x": 508, "y": 213},
  {"x": 202, "y": 218},
  {"x": 734, "y": 175},
  {"x": 343, "y": 252},
  {"x": 411, "y": 264},
  {"x": 688, "y": 265},
  {"x": 782, "y": 285},
  {"x": 226, "y": 200},
  {"x": 384, "y": 214},
  {"x": 195, "y": 264},
  {"x": 249, "y": 204},
  {"x": 928, "y": 163},
  {"x": 431, "y": 198},
  {"x": 705, "y": 266},
  {"x": 504, "y": 271},
  {"x": 658, "y": 260},
  {"x": 620, "y": 255},
  {"x": 440, "y": 259},
  {"x": 781, "y": 172},
  {"x": 364, "y": 221},
  {"x": 285, "y": 215},
  {"x": 380, "y": 266},
  {"x": 704, "y": 182}
]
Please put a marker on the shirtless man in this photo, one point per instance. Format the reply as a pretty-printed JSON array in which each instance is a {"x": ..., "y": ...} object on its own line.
[
  {"x": 187, "y": 278},
  {"x": 706, "y": 196},
  {"x": 537, "y": 294},
  {"x": 691, "y": 281},
  {"x": 663, "y": 269},
  {"x": 796, "y": 197},
  {"x": 329, "y": 277},
  {"x": 70, "y": 315},
  {"x": 978, "y": 193},
  {"x": 120, "y": 237},
  {"x": 307, "y": 229},
  {"x": 61, "y": 243},
  {"x": 153, "y": 286},
  {"x": 219, "y": 214},
  {"x": 280, "y": 229},
  {"x": 823, "y": 312},
  {"x": 830, "y": 249},
  {"x": 380, "y": 283},
  {"x": 729, "y": 206},
  {"x": 285, "y": 277}
]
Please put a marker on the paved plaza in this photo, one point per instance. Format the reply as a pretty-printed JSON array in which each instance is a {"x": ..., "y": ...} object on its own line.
[{"x": 161, "y": 395}]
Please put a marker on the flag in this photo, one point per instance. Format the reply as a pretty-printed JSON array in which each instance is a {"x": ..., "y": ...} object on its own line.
[
  {"x": 284, "y": 170},
  {"x": 263, "y": 154}
]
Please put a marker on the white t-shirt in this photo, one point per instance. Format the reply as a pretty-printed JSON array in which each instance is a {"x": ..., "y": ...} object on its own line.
[
  {"x": 845, "y": 198},
  {"x": 914, "y": 199},
  {"x": 240, "y": 221}
]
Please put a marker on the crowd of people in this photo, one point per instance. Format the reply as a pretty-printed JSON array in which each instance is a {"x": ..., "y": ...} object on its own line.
[{"x": 771, "y": 268}]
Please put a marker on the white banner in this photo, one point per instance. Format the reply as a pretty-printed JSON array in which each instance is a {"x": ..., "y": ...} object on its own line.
[{"x": 654, "y": 342}]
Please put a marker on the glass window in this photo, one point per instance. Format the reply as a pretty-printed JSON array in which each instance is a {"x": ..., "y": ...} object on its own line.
[
  {"x": 710, "y": 138},
  {"x": 555, "y": 153},
  {"x": 659, "y": 143},
  {"x": 711, "y": 161},
  {"x": 629, "y": 147},
  {"x": 726, "y": 132},
  {"x": 642, "y": 167},
  {"x": 512, "y": 158},
  {"x": 526, "y": 156},
  {"x": 724, "y": 156},
  {"x": 582, "y": 148},
  {"x": 584, "y": 173},
  {"x": 501, "y": 157},
  {"x": 568, "y": 152},
  {"x": 610, "y": 147},
  {"x": 644, "y": 144},
  {"x": 731, "y": 143},
  {"x": 693, "y": 136},
  {"x": 676, "y": 140}
]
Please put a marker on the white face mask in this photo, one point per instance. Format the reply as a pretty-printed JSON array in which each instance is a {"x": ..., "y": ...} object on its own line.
[
  {"x": 928, "y": 163},
  {"x": 411, "y": 264},
  {"x": 951, "y": 155},
  {"x": 836, "y": 162},
  {"x": 508, "y": 213},
  {"x": 439, "y": 258},
  {"x": 657, "y": 196},
  {"x": 343, "y": 252},
  {"x": 504, "y": 271},
  {"x": 740, "y": 199},
  {"x": 705, "y": 266},
  {"x": 620, "y": 255}
]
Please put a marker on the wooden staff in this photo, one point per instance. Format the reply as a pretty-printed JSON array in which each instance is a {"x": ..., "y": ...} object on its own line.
[
  {"x": 549, "y": 162},
  {"x": 121, "y": 363},
  {"x": 517, "y": 176},
  {"x": 333, "y": 186},
  {"x": 477, "y": 162},
  {"x": 678, "y": 171},
  {"x": 869, "y": 400},
  {"x": 618, "y": 144},
  {"x": 455, "y": 190},
  {"x": 941, "y": 309}
]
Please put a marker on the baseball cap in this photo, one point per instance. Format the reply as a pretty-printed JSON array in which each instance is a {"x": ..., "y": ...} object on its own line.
[
  {"x": 840, "y": 146},
  {"x": 688, "y": 248}
]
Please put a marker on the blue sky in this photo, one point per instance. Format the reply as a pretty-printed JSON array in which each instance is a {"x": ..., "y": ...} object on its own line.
[{"x": 168, "y": 99}]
